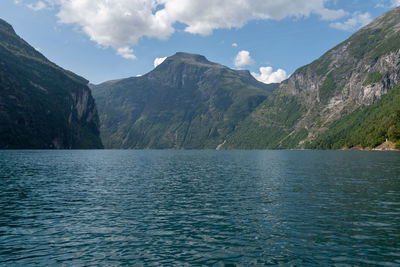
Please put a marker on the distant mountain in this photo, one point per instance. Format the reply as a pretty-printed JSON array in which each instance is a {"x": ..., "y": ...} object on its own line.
[
  {"x": 41, "y": 104},
  {"x": 187, "y": 102},
  {"x": 350, "y": 97}
]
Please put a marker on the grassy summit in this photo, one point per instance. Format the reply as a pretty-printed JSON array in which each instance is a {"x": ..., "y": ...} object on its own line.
[{"x": 186, "y": 102}]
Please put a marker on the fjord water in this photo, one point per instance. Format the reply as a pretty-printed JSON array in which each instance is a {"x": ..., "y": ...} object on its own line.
[{"x": 116, "y": 207}]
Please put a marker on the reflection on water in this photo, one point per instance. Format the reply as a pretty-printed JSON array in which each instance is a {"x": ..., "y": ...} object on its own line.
[{"x": 199, "y": 207}]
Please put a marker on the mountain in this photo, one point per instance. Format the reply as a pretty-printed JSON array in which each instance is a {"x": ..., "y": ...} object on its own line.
[
  {"x": 349, "y": 97},
  {"x": 187, "y": 102},
  {"x": 41, "y": 104}
]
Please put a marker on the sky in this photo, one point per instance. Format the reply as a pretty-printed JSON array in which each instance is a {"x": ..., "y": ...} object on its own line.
[{"x": 104, "y": 40}]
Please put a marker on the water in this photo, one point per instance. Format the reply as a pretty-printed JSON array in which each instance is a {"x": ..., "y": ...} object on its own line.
[{"x": 82, "y": 208}]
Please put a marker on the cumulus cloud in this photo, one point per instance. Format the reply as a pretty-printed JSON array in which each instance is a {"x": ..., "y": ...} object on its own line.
[
  {"x": 268, "y": 75},
  {"x": 202, "y": 17},
  {"x": 159, "y": 60},
  {"x": 243, "y": 58},
  {"x": 235, "y": 45},
  {"x": 40, "y": 5},
  {"x": 119, "y": 23},
  {"x": 122, "y": 23},
  {"x": 357, "y": 21},
  {"x": 126, "y": 52}
]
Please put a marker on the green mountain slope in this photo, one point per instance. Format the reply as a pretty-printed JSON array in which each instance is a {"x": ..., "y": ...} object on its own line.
[
  {"x": 186, "y": 102},
  {"x": 367, "y": 127},
  {"x": 338, "y": 92},
  {"x": 41, "y": 104}
]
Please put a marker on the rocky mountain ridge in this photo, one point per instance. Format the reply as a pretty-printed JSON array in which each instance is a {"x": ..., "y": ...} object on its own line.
[{"x": 352, "y": 76}]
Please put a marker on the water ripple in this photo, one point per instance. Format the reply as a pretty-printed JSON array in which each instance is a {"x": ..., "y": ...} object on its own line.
[{"x": 222, "y": 208}]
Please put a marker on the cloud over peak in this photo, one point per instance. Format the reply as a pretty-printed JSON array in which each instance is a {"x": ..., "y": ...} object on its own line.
[
  {"x": 243, "y": 58},
  {"x": 158, "y": 61},
  {"x": 268, "y": 75},
  {"x": 357, "y": 21}
]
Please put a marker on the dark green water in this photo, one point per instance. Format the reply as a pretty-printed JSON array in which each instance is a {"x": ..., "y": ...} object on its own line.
[{"x": 302, "y": 208}]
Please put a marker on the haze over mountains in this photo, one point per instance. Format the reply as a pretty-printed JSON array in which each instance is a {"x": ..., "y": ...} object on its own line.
[{"x": 349, "y": 97}]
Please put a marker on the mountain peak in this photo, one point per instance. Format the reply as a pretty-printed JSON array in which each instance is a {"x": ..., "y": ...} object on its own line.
[
  {"x": 389, "y": 20},
  {"x": 4, "y": 26},
  {"x": 189, "y": 58},
  {"x": 185, "y": 102},
  {"x": 184, "y": 55},
  {"x": 41, "y": 104}
]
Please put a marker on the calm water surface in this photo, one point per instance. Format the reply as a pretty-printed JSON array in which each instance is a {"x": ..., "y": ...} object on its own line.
[{"x": 141, "y": 208}]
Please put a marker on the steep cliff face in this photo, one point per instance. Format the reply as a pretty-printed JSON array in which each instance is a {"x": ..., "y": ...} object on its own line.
[
  {"x": 353, "y": 75},
  {"x": 41, "y": 104},
  {"x": 186, "y": 102},
  {"x": 356, "y": 73}
]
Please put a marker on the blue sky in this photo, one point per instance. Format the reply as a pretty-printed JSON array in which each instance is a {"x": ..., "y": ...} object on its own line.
[{"x": 110, "y": 39}]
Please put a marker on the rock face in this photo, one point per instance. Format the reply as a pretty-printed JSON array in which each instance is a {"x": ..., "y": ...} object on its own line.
[
  {"x": 350, "y": 77},
  {"x": 356, "y": 73},
  {"x": 41, "y": 104},
  {"x": 187, "y": 102}
]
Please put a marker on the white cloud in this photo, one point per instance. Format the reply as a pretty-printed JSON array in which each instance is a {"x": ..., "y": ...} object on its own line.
[
  {"x": 119, "y": 23},
  {"x": 122, "y": 23},
  {"x": 159, "y": 60},
  {"x": 392, "y": 3},
  {"x": 126, "y": 52},
  {"x": 235, "y": 45},
  {"x": 329, "y": 14},
  {"x": 357, "y": 21},
  {"x": 202, "y": 17},
  {"x": 40, "y": 5},
  {"x": 243, "y": 58},
  {"x": 388, "y": 4},
  {"x": 267, "y": 75}
]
